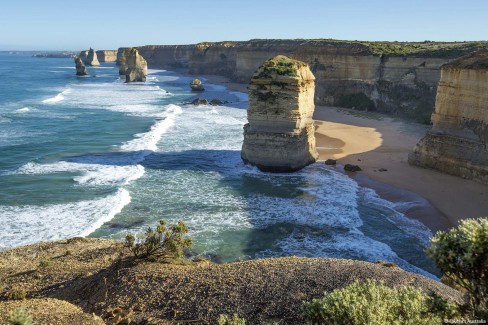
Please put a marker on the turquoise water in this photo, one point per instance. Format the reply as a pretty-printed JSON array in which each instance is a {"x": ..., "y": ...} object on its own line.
[{"x": 93, "y": 156}]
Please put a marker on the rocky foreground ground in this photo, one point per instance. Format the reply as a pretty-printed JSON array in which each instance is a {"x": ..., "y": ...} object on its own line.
[{"x": 96, "y": 281}]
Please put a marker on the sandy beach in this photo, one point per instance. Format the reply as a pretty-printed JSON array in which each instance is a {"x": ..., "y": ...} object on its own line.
[{"x": 377, "y": 142}]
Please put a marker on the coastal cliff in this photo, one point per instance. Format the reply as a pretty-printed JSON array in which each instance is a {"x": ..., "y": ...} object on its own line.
[
  {"x": 457, "y": 142},
  {"x": 393, "y": 77},
  {"x": 79, "y": 280},
  {"x": 280, "y": 134},
  {"x": 106, "y": 55}
]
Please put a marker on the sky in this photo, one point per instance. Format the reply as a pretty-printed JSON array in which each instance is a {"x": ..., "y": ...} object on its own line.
[{"x": 109, "y": 24}]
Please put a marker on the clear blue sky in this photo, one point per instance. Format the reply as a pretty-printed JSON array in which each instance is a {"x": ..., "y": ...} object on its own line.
[{"x": 109, "y": 24}]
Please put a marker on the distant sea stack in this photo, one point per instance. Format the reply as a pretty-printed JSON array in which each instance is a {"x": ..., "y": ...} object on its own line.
[
  {"x": 456, "y": 144},
  {"x": 91, "y": 58},
  {"x": 196, "y": 85},
  {"x": 280, "y": 134},
  {"x": 136, "y": 66},
  {"x": 80, "y": 67}
]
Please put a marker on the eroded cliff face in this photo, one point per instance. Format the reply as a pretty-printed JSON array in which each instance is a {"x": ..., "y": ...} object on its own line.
[
  {"x": 280, "y": 134},
  {"x": 106, "y": 55},
  {"x": 457, "y": 142},
  {"x": 348, "y": 74},
  {"x": 136, "y": 66}
]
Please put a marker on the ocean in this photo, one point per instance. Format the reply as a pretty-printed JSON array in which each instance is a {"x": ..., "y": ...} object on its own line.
[{"x": 94, "y": 156}]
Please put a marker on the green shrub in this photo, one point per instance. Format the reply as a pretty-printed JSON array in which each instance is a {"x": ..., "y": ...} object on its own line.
[
  {"x": 227, "y": 320},
  {"x": 45, "y": 262},
  {"x": 20, "y": 317},
  {"x": 462, "y": 255},
  {"x": 17, "y": 294},
  {"x": 371, "y": 302},
  {"x": 162, "y": 243},
  {"x": 280, "y": 65}
]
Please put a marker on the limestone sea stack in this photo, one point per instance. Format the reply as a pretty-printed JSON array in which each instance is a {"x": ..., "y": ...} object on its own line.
[
  {"x": 196, "y": 85},
  {"x": 83, "y": 56},
  {"x": 456, "y": 144},
  {"x": 280, "y": 134},
  {"x": 80, "y": 67},
  {"x": 136, "y": 66},
  {"x": 91, "y": 58}
]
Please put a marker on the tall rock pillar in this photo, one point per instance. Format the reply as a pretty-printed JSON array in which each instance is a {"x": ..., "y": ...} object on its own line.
[
  {"x": 280, "y": 134},
  {"x": 457, "y": 142},
  {"x": 91, "y": 58},
  {"x": 135, "y": 66}
]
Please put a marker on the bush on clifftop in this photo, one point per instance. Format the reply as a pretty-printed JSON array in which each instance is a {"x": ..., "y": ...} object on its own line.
[
  {"x": 462, "y": 255},
  {"x": 162, "y": 243},
  {"x": 372, "y": 302}
]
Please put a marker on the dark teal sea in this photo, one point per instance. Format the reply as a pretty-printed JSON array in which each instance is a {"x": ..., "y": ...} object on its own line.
[{"x": 93, "y": 156}]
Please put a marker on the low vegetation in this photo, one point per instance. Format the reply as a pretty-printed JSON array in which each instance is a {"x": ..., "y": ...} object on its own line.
[
  {"x": 279, "y": 65},
  {"x": 462, "y": 255},
  {"x": 20, "y": 317},
  {"x": 372, "y": 302},
  {"x": 163, "y": 243},
  {"x": 228, "y": 320}
]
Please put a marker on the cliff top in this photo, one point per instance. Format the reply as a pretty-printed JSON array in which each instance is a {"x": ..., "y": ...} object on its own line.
[
  {"x": 473, "y": 61},
  {"x": 283, "y": 67},
  {"x": 97, "y": 274}
]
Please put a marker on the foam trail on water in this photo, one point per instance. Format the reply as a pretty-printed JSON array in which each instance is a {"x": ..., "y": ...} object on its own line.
[
  {"x": 23, "y": 110},
  {"x": 56, "y": 99},
  {"x": 22, "y": 225}
]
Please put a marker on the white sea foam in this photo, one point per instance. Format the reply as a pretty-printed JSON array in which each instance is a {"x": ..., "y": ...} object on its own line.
[
  {"x": 410, "y": 226},
  {"x": 23, "y": 110},
  {"x": 149, "y": 140},
  {"x": 21, "y": 225},
  {"x": 56, "y": 99}
]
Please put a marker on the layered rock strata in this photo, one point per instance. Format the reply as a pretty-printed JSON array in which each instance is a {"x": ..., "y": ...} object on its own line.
[
  {"x": 91, "y": 58},
  {"x": 280, "y": 134},
  {"x": 390, "y": 77},
  {"x": 106, "y": 55},
  {"x": 136, "y": 66},
  {"x": 457, "y": 142},
  {"x": 80, "y": 67}
]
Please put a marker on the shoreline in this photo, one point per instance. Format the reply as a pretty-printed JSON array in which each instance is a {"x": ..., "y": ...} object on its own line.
[{"x": 377, "y": 141}]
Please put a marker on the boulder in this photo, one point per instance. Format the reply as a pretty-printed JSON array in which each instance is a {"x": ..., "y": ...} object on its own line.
[
  {"x": 80, "y": 67},
  {"x": 352, "y": 168},
  {"x": 196, "y": 85},
  {"x": 91, "y": 58},
  {"x": 216, "y": 102},
  {"x": 136, "y": 66},
  {"x": 457, "y": 142},
  {"x": 200, "y": 101},
  {"x": 331, "y": 162},
  {"x": 280, "y": 134}
]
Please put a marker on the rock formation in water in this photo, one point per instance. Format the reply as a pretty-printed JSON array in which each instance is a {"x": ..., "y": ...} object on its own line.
[
  {"x": 280, "y": 134},
  {"x": 91, "y": 58},
  {"x": 136, "y": 70},
  {"x": 80, "y": 67},
  {"x": 83, "y": 55},
  {"x": 196, "y": 85},
  {"x": 106, "y": 55},
  {"x": 457, "y": 142}
]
